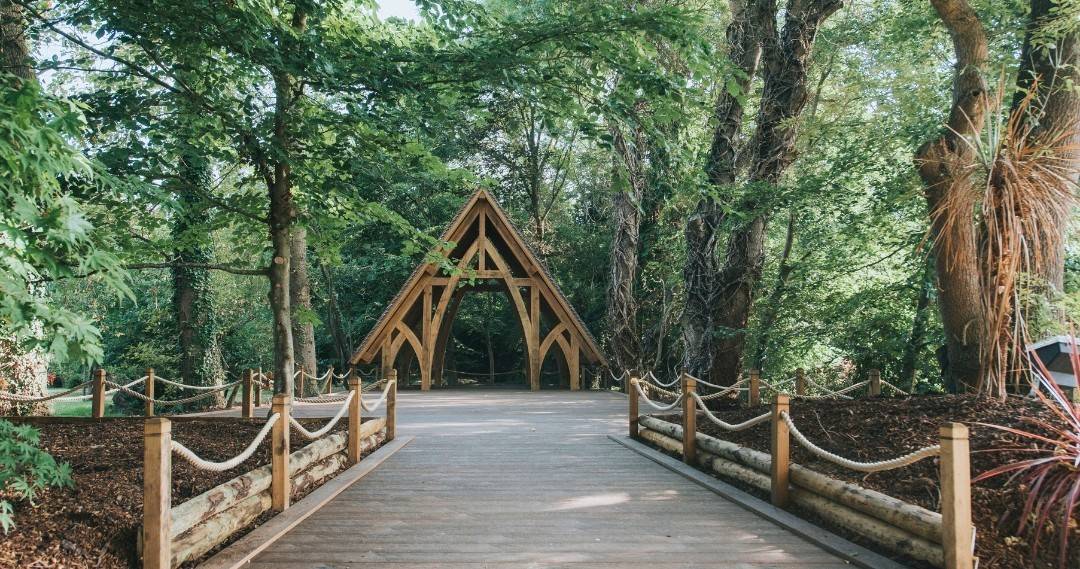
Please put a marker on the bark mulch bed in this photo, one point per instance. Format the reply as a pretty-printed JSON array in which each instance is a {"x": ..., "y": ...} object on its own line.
[
  {"x": 96, "y": 522},
  {"x": 871, "y": 429}
]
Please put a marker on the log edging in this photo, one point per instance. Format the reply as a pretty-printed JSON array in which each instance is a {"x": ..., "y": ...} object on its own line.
[{"x": 896, "y": 525}]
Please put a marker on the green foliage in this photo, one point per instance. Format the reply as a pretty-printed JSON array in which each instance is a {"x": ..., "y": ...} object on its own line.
[
  {"x": 44, "y": 234},
  {"x": 25, "y": 469}
]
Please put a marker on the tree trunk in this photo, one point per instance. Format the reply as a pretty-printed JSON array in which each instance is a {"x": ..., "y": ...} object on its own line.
[
  {"x": 628, "y": 191},
  {"x": 300, "y": 302},
  {"x": 342, "y": 341},
  {"x": 944, "y": 165},
  {"x": 279, "y": 184},
  {"x": 917, "y": 338},
  {"x": 193, "y": 295},
  {"x": 784, "y": 95},
  {"x": 23, "y": 372},
  {"x": 1055, "y": 68},
  {"x": 771, "y": 310},
  {"x": 14, "y": 52},
  {"x": 702, "y": 263}
]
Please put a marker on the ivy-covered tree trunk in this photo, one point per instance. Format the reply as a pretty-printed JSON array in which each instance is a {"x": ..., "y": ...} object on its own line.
[
  {"x": 771, "y": 311},
  {"x": 788, "y": 56},
  {"x": 945, "y": 166},
  {"x": 628, "y": 191},
  {"x": 302, "y": 314},
  {"x": 193, "y": 293},
  {"x": 703, "y": 224},
  {"x": 23, "y": 372}
]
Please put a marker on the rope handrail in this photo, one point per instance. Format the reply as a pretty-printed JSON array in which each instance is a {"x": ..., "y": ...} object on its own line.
[
  {"x": 197, "y": 387},
  {"x": 655, "y": 405},
  {"x": 657, "y": 381},
  {"x": 877, "y": 466},
  {"x": 137, "y": 395},
  {"x": 895, "y": 388},
  {"x": 380, "y": 400},
  {"x": 764, "y": 418},
  {"x": 324, "y": 398},
  {"x": 202, "y": 464},
  {"x": 21, "y": 398},
  {"x": 311, "y": 435}
]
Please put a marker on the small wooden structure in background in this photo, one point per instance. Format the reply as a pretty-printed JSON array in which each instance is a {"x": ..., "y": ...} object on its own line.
[{"x": 489, "y": 253}]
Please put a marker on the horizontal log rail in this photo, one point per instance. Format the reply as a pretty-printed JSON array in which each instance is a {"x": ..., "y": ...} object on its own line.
[
  {"x": 174, "y": 535},
  {"x": 945, "y": 539}
]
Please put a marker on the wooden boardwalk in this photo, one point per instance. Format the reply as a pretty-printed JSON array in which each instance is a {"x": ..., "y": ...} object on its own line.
[{"x": 500, "y": 479}]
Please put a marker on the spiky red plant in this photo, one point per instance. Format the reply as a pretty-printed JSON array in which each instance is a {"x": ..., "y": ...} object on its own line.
[{"x": 1052, "y": 478}]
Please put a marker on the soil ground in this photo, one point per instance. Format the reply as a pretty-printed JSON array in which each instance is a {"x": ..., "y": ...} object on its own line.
[
  {"x": 869, "y": 429},
  {"x": 96, "y": 522}
]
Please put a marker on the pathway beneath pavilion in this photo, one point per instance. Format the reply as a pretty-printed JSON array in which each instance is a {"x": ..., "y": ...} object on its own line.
[{"x": 499, "y": 479}]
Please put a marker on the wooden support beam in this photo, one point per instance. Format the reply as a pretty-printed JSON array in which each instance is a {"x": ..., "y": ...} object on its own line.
[
  {"x": 148, "y": 405},
  {"x": 97, "y": 408},
  {"x": 875, "y": 383},
  {"x": 157, "y": 494},
  {"x": 258, "y": 389},
  {"x": 689, "y": 419},
  {"x": 573, "y": 361},
  {"x": 279, "y": 461},
  {"x": 958, "y": 534},
  {"x": 534, "y": 335},
  {"x": 781, "y": 451},
  {"x": 632, "y": 399}
]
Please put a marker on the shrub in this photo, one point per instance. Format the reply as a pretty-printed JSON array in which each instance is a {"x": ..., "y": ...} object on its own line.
[{"x": 25, "y": 469}]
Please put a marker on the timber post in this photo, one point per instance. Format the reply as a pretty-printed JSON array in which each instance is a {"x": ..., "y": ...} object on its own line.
[
  {"x": 754, "y": 398},
  {"x": 279, "y": 461},
  {"x": 330, "y": 380},
  {"x": 689, "y": 419},
  {"x": 632, "y": 399},
  {"x": 780, "y": 450},
  {"x": 97, "y": 408},
  {"x": 391, "y": 406},
  {"x": 875, "y": 383},
  {"x": 958, "y": 534},
  {"x": 247, "y": 404},
  {"x": 157, "y": 494},
  {"x": 299, "y": 387},
  {"x": 149, "y": 392},
  {"x": 258, "y": 388},
  {"x": 800, "y": 382},
  {"x": 355, "y": 407}
]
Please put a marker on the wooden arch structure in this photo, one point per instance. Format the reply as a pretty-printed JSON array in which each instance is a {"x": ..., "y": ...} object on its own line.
[{"x": 488, "y": 253}]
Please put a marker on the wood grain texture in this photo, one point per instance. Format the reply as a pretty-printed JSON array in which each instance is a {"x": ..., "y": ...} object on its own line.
[{"x": 529, "y": 479}]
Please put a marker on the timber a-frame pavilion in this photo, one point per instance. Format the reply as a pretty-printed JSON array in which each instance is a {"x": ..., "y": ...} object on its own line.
[{"x": 488, "y": 254}]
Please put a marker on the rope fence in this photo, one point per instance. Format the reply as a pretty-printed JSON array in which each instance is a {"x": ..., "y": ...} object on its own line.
[{"x": 161, "y": 545}]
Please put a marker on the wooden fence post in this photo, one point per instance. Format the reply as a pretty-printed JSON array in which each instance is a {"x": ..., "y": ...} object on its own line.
[
  {"x": 689, "y": 422},
  {"x": 149, "y": 392},
  {"x": 330, "y": 380},
  {"x": 391, "y": 407},
  {"x": 800, "y": 381},
  {"x": 958, "y": 535},
  {"x": 355, "y": 385},
  {"x": 299, "y": 387},
  {"x": 97, "y": 407},
  {"x": 875, "y": 383},
  {"x": 755, "y": 388},
  {"x": 632, "y": 399},
  {"x": 157, "y": 494},
  {"x": 780, "y": 450},
  {"x": 279, "y": 469},
  {"x": 247, "y": 404}
]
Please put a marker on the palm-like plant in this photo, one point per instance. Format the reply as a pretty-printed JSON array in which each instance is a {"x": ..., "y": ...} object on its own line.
[{"x": 1052, "y": 478}]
